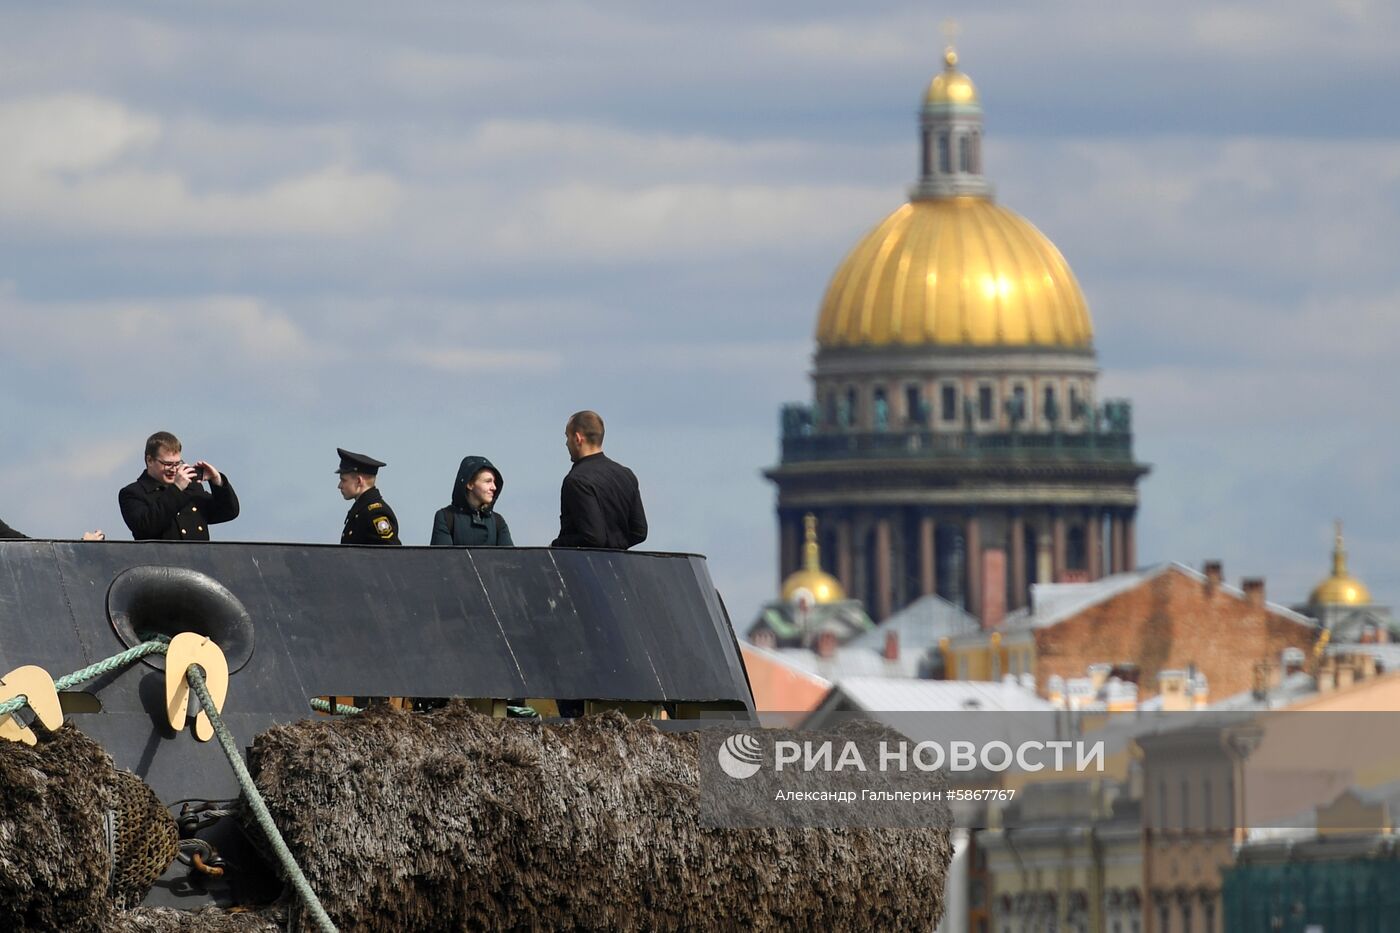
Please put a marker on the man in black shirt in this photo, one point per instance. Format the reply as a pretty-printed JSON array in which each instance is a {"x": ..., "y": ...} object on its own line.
[
  {"x": 600, "y": 504},
  {"x": 168, "y": 502}
]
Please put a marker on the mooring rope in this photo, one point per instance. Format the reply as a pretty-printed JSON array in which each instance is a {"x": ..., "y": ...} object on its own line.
[
  {"x": 160, "y": 645},
  {"x": 338, "y": 709},
  {"x": 255, "y": 801},
  {"x": 105, "y": 666}
]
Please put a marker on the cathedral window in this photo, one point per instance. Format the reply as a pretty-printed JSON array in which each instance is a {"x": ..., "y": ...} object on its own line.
[
  {"x": 1074, "y": 403},
  {"x": 927, "y": 153},
  {"x": 948, "y": 402},
  {"x": 1049, "y": 407},
  {"x": 945, "y": 158},
  {"x": 914, "y": 411},
  {"x": 964, "y": 153},
  {"x": 985, "y": 409}
]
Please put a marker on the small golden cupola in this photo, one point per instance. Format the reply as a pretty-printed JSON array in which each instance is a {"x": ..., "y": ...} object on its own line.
[
  {"x": 1341, "y": 588},
  {"x": 951, "y": 87},
  {"x": 811, "y": 579}
]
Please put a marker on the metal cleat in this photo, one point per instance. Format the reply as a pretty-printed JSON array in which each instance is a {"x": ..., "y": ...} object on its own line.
[
  {"x": 36, "y": 686},
  {"x": 185, "y": 649}
]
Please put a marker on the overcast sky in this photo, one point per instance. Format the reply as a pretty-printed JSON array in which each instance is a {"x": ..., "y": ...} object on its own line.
[{"x": 435, "y": 229}]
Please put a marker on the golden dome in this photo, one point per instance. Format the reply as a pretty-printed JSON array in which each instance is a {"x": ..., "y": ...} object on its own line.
[
  {"x": 1340, "y": 589},
  {"x": 951, "y": 86},
  {"x": 959, "y": 271},
  {"x": 823, "y": 586}
]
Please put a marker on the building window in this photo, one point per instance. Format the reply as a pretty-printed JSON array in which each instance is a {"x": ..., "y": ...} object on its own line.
[
  {"x": 948, "y": 403},
  {"x": 1073, "y": 403},
  {"x": 964, "y": 154},
  {"x": 1209, "y": 910},
  {"x": 1185, "y": 917},
  {"x": 928, "y": 153},
  {"x": 1164, "y": 918},
  {"x": 984, "y": 403},
  {"x": 1048, "y": 406},
  {"x": 830, "y": 408},
  {"x": 1017, "y": 409},
  {"x": 914, "y": 404},
  {"x": 945, "y": 159},
  {"x": 881, "y": 410}
]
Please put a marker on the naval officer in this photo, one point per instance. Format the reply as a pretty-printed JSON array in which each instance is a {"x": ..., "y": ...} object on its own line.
[{"x": 370, "y": 520}]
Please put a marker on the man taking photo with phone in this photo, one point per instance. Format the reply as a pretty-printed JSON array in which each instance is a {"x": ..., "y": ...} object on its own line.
[{"x": 169, "y": 502}]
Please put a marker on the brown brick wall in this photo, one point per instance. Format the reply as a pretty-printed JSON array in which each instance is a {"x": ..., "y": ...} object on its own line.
[{"x": 1169, "y": 622}]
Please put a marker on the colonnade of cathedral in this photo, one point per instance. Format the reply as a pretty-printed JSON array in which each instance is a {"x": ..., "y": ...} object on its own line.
[{"x": 984, "y": 559}]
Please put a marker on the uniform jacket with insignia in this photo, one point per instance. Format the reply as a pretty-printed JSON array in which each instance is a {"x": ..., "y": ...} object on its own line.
[
  {"x": 162, "y": 511},
  {"x": 370, "y": 520}
]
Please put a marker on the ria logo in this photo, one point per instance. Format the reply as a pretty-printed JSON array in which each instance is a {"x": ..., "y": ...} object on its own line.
[{"x": 741, "y": 756}]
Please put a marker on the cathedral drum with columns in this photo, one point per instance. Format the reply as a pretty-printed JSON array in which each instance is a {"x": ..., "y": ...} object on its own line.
[{"x": 955, "y": 443}]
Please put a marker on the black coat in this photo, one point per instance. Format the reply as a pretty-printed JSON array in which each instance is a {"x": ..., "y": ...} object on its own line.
[
  {"x": 160, "y": 511},
  {"x": 370, "y": 520},
  {"x": 600, "y": 505},
  {"x": 459, "y": 523}
]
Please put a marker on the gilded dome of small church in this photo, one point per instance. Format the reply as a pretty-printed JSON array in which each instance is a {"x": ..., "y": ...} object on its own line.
[
  {"x": 821, "y": 586},
  {"x": 1341, "y": 588}
]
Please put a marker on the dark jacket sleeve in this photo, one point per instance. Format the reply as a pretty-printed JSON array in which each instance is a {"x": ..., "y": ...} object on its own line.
[
  {"x": 579, "y": 500},
  {"x": 503, "y": 533},
  {"x": 146, "y": 515},
  {"x": 636, "y": 520},
  {"x": 223, "y": 505},
  {"x": 441, "y": 533},
  {"x": 7, "y": 532}
]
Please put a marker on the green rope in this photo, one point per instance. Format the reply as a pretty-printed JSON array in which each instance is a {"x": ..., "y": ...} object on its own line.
[
  {"x": 339, "y": 709},
  {"x": 106, "y": 666},
  {"x": 160, "y": 645},
  {"x": 255, "y": 801}
]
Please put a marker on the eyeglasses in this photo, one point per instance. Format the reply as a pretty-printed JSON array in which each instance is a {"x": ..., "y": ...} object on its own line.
[{"x": 168, "y": 464}]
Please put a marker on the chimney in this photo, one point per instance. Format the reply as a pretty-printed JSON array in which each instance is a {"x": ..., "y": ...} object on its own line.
[
  {"x": 1327, "y": 675},
  {"x": 1214, "y": 571},
  {"x": 1253, "y": 591},
  {"x": 891, "y": 646},
  {"x": 1173, "y": 687},
  {"x": 826, "y": 644},
  {"x": 1261, "y": 680}
]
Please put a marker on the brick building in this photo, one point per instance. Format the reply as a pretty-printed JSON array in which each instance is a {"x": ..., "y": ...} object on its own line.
[{"x": 1149, "y": 626}]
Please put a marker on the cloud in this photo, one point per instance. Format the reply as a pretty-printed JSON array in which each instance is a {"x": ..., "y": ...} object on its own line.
[
  {"x": 471, "y": 360},
  {"x": 73, "y": 166},
  {"x": 67, "y": 133},
  {"x": 182, "y": 337}
]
